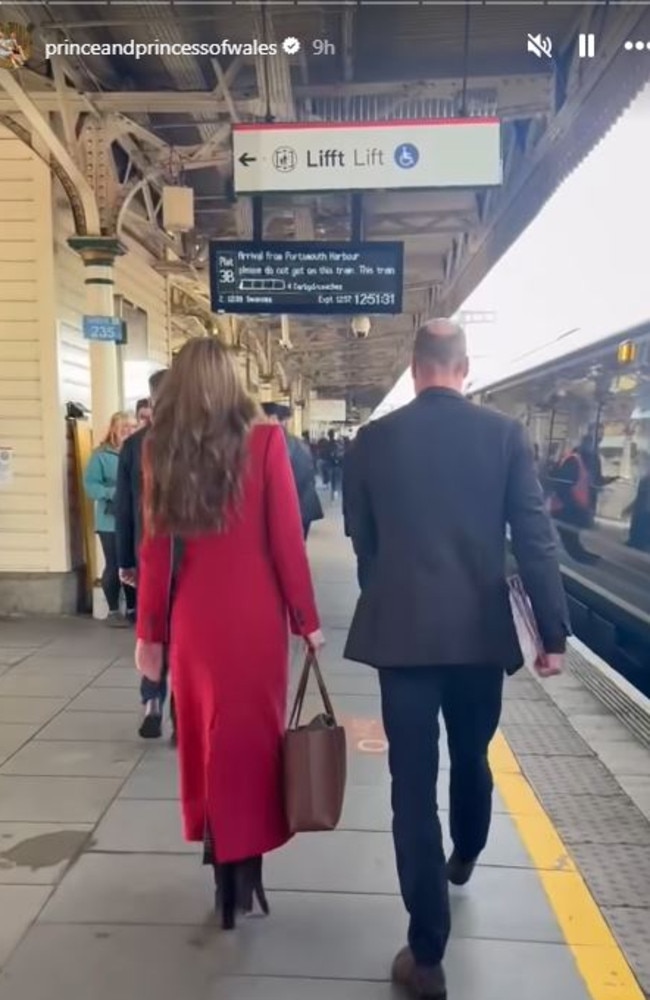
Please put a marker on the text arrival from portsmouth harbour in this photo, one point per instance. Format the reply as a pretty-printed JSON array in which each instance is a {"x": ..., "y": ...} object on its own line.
[{"x": 306, "y": 277}]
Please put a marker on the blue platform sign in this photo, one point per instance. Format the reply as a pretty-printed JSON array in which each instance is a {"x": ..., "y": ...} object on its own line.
[{"x": 110, "y": 329}]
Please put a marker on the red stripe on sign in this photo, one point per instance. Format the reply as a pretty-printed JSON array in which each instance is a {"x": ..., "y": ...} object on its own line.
[{"x": 360, "y": 126}]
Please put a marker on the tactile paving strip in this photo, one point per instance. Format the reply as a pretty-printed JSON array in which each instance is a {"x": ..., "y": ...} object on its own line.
[
  {"x": 588, "y": 819},
  {"x": 607, "y": 836},
  {"x": 632, "y": 924},
  {"x": 616, "y": 877},
  {"x": 547, "y": 741},
  {"x": 532, "y": 713},
  {"x": 523, "y": 692},
  {"x": 577, "y": 776}
]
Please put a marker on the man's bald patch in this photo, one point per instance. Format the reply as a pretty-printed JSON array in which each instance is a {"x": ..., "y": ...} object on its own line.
[{"x": 440, "y": 343}]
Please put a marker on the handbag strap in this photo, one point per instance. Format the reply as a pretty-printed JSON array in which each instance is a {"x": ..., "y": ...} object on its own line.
[{"x": 311, "y": 663}]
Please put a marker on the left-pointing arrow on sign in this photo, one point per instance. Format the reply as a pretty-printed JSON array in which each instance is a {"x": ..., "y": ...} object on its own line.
[{"x": 246, "y": 159}]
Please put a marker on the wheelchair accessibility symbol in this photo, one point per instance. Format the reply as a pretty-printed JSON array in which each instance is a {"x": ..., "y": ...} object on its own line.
[{"x": 406, "y": 155}]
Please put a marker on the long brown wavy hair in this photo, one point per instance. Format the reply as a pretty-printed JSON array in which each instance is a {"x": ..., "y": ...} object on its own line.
[{"x": 195, "y": 455}]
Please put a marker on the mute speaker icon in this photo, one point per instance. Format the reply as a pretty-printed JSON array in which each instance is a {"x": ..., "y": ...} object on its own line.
[{"x": 539, "y": 45}]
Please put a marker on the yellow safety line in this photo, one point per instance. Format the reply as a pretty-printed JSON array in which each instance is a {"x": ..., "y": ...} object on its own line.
[{"x": 598, "y": 957}]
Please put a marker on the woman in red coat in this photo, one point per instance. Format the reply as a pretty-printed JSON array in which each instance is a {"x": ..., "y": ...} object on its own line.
[{"x": 220, "y": 480}]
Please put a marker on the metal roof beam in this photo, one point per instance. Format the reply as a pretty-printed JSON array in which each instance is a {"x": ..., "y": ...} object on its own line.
[
  {"x": 69, "y": 119},
  {"x": 485, "y": 74},
  {"x": 348, "y": 25},
  {"x": 514, "y": 91}
]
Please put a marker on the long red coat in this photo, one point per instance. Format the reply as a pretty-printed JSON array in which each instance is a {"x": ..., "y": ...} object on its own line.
[{"x": 236, "y": 594}]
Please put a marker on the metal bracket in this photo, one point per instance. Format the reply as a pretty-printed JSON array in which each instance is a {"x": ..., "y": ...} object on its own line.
[
  {"x": 356, "y": 218},
  {"x": 99, "y": 168},
  {"x": 258, "y": 219}
]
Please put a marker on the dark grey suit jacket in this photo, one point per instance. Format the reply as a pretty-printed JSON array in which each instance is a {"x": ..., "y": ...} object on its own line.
[
  {"x": 430, "y": 490},
  {"x": 128, "y": 498}
]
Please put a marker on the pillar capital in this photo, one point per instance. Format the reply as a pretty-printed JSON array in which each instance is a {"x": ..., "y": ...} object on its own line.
[{"x": 97, "y": 251}]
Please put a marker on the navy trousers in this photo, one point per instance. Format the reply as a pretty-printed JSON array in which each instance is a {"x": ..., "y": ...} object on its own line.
[{"x": 412, "y": 698}]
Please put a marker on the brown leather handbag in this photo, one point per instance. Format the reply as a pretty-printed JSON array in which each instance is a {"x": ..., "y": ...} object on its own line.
[{"x": 315, "y": 762}]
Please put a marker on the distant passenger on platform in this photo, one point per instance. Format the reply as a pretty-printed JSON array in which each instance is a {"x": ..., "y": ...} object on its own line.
[
  {"x": 577, "y": 482},
  {"x": 430, "y": 490},
  {"x": 639, "y": 537},
  {"x": 333, "y": 463},
  {"x": 313, "y": 448},
  {"x": 128, "y": 518},
  {"x": 590, "y": 451},
  {"x": 143, "y": 413},
  {"x": 100, "y": 482},
  {"x": 219, "y": 480},
  {"x": 322, "y": 467},
  {"x": 302, "y": 466}
]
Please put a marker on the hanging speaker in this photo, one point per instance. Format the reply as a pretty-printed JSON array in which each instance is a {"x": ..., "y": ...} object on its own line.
[{"x": 178, "y": 209}]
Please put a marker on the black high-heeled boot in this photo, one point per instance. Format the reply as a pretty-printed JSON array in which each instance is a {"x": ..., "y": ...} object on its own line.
[
  {"x": 254, "y": 866},
  {"x": 225, "y": 877},
  {"x": 246, "y": 876},
  {"x": 250, "y": 887}
]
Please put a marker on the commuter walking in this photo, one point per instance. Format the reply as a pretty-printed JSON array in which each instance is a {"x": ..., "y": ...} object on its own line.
[
  {"x": 576, "y": 484},
  {"x": 334, "y": 453},
  {"x": 302, "y": 465},
  {"x": 100, "y": 482},
  {"x": 219, "y": 480},
  {"x": 143, "y": 412},
  {"x": 639, "y": 509},
  {"x": 129, "y": 487},
  {"x": 128, "y": 523},
  {"x": 430, "y": 489},
  {"x": 322, "y": 467}
]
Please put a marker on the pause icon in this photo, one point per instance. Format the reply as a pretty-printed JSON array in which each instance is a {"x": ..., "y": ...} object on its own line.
[{"x": 586, "y": 46}]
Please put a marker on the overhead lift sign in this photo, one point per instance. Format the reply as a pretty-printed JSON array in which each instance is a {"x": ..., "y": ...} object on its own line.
[
  {"x": 306, "y": 278},
  {"x": 361, "y": 156}
]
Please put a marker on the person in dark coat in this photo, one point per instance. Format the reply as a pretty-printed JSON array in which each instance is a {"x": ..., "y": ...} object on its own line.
[
  {"x": 347, "y": 459},
  {"x": 128, "y": 515},
  {"x": 302, "y": 465},
  {"x": 334, "y": 455},
  {"x": 128, "y": 533},
  {"x": 639, "y": 536},
  {"x": 430, "y": 489}
]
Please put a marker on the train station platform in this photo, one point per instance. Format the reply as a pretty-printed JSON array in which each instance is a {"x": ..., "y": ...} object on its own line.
[{"x": 100, "y": 897}]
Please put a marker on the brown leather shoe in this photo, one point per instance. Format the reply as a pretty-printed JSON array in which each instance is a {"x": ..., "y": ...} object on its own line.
[{"x": 424, "y": 982}]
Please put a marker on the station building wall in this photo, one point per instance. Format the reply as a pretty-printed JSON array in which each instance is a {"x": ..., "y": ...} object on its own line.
[
  {"x": 31, "y": 504},
  {"x": 43, "y": 364}
]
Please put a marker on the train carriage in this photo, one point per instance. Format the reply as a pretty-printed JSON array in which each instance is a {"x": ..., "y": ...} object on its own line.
[{"x": 569, "y": 394}]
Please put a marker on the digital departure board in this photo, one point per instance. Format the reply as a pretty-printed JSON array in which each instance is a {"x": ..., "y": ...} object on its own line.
[{"x": 306, "y": 278}]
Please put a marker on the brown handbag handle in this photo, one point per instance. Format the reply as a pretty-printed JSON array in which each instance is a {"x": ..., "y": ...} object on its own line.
[{"x": 311, "y": 662}]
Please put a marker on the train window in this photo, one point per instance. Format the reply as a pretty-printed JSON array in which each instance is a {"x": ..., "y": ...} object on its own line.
[{"x": 588, "y": 418}]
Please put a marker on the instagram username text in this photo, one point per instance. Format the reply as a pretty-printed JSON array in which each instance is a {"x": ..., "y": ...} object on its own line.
[{"x": 139, "y": 50}]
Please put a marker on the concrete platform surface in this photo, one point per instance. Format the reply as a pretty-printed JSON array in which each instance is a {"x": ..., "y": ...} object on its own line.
[{"x": 100, "y": 896}]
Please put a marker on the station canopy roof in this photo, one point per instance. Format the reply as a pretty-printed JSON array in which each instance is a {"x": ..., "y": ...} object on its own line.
[{"x": 395, "y": 61}]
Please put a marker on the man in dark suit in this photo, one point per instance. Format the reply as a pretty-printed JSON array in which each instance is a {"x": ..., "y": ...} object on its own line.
[
  {"x": 128, "y": 528},
  {"x": 430, "y": 489}
]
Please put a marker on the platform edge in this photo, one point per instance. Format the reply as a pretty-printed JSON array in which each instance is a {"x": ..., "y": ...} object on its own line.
[{"x": 601, "y": 962}]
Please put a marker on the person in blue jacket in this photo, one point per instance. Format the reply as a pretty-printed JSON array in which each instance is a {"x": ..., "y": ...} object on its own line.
[{"x": 100, "y": 480}]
